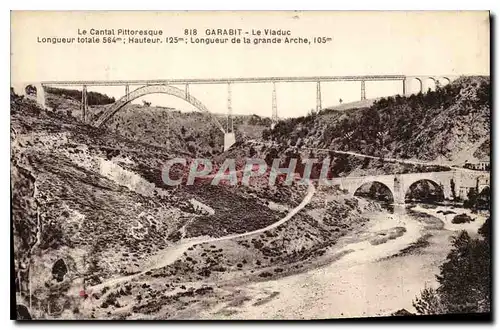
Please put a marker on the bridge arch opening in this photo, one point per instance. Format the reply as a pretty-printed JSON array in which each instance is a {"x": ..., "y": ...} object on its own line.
[
  {"x": 443, "y": 81},
  {"x": 485, "y": 191},
  {"x": 414, "y": 85},
  {"x": 375, "y": 190},
  {"x": 425, "y": 191},
  {"x": 429, "y": 84},
  {"x": 31, "y": 90},
  {"x": 155, "y": 89}
]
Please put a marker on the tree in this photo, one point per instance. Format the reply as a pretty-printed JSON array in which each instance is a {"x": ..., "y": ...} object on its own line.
[
  {"x": 272, "y": 154},
  {"x": 429, "y": 303},
  {"x": 452, "y": 187},
  {"x": 485, "y": 230},
  {"x": 464, "y": 279},
  {"x": 483, "y": 199},
  {"x": 252, "y": 151},
  {"x": 266, "y": 134},
  {"x": 471, "y": 199}
]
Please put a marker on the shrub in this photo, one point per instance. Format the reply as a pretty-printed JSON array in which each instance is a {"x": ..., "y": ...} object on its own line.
[
  {"x": 219, "y": 269},
  {"x": 462, "y": 218},
  {"x": 429, "y": 303},
  {"x": 265, "y": 274}
]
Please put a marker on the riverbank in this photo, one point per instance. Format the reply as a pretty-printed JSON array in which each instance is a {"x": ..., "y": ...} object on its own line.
[
  {"x": 441, "y": 212},
  {"x": 371, "y": 280}
]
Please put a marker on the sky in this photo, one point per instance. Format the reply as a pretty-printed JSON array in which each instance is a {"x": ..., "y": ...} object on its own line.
[{"x": 363, "y": 43}]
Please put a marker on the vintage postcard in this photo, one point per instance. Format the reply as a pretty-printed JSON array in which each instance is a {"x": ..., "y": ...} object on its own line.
[{"x": 250, "y": 165}]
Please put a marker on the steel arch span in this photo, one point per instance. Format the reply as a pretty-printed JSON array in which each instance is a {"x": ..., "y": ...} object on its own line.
[{"x": 155, "y": 89}]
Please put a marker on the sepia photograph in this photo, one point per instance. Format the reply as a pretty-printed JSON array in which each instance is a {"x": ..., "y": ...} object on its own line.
[{"x": 250, "y": 165}]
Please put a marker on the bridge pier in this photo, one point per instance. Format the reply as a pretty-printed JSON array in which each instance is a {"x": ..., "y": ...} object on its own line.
[
  {"x": 399, "y": 190},
  {"x": 318, "y": 97},
  {"x": 40, "y": 94},
  {"x": 84, "y": 103},
  {"x": 399, "y": 209},
  {"x": 127, "y": 90},
  {"x": 186, "y": 91},
  {"x": 229, "y": 140},
  {"x": 229, "y": 122},
  {"x": 363, "y": 90},
  {"x": 274, "y": 117}
]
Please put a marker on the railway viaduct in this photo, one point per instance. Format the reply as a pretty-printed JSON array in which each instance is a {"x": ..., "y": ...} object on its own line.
[{"x": 179, "y": 88}]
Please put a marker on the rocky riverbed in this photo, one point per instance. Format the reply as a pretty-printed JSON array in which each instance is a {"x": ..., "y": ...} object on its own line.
[{"x": 372, "y": 278}]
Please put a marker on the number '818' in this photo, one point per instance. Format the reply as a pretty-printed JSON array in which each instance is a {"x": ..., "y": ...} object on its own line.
[{"x": 190, "y": 32}]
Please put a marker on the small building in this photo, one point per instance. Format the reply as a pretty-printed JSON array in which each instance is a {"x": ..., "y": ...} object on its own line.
[{"x": 481, "y": 165}]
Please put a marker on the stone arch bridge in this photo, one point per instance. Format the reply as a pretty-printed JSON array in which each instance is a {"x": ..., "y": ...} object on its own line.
[
  {"x": 425, "y": 81},
  {"x": 399, "y": 184}
]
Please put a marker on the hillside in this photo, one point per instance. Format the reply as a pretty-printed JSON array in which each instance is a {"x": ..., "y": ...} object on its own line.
[
  {"x": 89, "y": 207},
  {"x": 446, "y": 125},
  {"x": 193, "y": 132},
  {"x": 340, "y": 164},
  {"x": 189, "y": 132},
  {"x": 97, "y": 234}
]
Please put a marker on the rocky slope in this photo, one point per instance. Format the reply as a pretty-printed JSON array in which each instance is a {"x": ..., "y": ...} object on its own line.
[
  {"x": 89, "y": 207},
  {"x": 96, "y": 200}
]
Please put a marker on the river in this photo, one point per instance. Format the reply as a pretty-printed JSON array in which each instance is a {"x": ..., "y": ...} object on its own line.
[{"x": 369, "y": 281}]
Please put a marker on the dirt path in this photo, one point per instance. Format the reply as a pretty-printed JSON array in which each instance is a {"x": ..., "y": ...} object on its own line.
[
  {"x": 395, "y": 160},
  {"x": 170, "y": 255}
]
